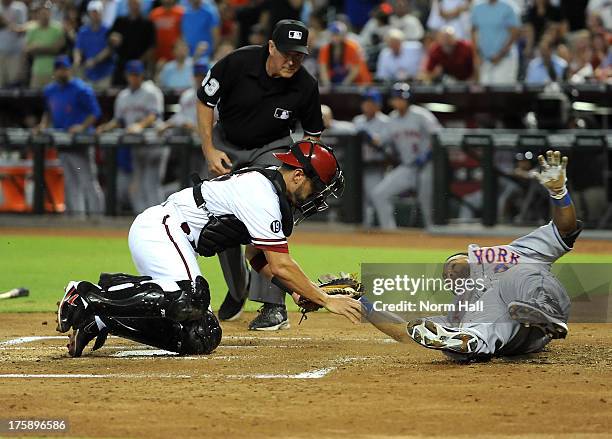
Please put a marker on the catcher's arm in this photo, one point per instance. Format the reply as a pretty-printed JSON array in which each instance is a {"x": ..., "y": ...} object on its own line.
[
  {"x": 285, "y": 270},
  {"x": 552, "y": 175}
]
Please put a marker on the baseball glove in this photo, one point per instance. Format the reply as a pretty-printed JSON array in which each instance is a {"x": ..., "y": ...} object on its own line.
[{"x": 332, "y": 284}]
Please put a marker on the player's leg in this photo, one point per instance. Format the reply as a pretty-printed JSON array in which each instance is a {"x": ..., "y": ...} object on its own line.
[
  {"x": 394, "y": 183},
  {"x": 273, "y": 314},
  {"x": 170, "y": 315},
  {"x": 88, "y": 184},
  {"x": 425, "y": 193},
  {"x": 75, "y": 202},
  {"x": 539, "y": 302},
  {"x": 160, "y": 248}
]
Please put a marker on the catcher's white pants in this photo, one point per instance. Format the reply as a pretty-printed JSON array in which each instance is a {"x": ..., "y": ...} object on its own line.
[{"x": 160, "y": 248}]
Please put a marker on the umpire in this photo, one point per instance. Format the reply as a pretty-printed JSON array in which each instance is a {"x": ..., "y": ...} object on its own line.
[{"x": 260, "y": 92}]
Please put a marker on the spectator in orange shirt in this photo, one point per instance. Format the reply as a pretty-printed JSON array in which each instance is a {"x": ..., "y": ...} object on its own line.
[
  {"x": 167, "y": 20},
  {"x": 341, "y": 61}
]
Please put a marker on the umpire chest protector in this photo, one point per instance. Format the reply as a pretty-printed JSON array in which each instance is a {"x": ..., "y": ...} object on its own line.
[{"x": 226, "y": 231}]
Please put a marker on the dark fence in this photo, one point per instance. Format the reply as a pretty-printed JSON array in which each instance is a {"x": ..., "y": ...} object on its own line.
[
  {"x": 463, "y": 157},
  {"x": 186, "y": 148}
]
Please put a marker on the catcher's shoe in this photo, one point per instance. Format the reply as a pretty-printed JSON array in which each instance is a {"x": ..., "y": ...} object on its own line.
[
  {"x": 435, "y": 336},
  {"x": 72, "y": 309},
  {"x": 81, "y": 336},
  {"x": 541, "y": 312},
  {"x": 271, "y": 317}
]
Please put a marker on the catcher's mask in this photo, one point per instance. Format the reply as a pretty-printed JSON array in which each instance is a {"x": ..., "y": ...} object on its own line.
[{"x": 321, "y": 166}]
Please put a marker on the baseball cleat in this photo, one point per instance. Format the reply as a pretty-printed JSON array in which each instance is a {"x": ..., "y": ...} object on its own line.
[
  {"x": 81, "y": 336},
  {"x": 71, "y": 309},
  {"x": 435, "y": 336},
  {"x": 539, "y": 313},
  {"x": 271, "y": 317},
  {"x": 230, "y": 309}
]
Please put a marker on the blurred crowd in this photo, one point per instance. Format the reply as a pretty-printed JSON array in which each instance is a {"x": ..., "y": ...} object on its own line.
[{"x": 352, "y": 41}]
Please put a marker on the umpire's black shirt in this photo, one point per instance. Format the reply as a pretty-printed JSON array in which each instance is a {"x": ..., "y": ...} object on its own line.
[{"x": 255, "y": 109}]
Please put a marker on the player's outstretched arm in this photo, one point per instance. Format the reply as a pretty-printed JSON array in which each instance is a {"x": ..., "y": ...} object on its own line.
[
  {"x": 552, "y": 175},
  {"x": 288, "y": 272},
  {"x": 386, "y": 322}
]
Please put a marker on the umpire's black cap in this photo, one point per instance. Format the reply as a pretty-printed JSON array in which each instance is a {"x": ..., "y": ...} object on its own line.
[{"x": 291, "y": 36}]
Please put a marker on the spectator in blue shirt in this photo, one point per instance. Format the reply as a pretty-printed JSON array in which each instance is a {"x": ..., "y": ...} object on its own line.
[
  {"x": 92, "y": 51},
  {"x": 547, "y": 67},
  {"x": 200, "y": 26},
  {"x": 495, "y": 29},
  {"x": 71, "y": 106},
  {"x": 177, "y": 73}
]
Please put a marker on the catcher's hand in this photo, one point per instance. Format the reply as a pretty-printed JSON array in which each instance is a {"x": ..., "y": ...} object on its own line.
[
  {"x": 342, "y": 284},
  {"x": 552, "y": 173}
]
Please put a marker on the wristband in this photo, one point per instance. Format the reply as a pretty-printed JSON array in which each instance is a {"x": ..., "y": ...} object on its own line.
[{"x": 564, "y": 201}]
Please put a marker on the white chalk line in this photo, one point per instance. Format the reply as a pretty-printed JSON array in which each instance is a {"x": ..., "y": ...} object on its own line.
[
  {"x": 29, "y": 339},
  {"x": 311, "y": 374}
]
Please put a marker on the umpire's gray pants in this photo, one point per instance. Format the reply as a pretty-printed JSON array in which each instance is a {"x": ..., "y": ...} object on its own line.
[
  {"x": 81, "y": 188},
  {"x": 232, "y": 260}
]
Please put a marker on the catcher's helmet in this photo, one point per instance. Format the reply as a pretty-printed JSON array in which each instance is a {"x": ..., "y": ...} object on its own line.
[
  {"x": 401, "y": 90},
  {"x": 321, "y": 166}
]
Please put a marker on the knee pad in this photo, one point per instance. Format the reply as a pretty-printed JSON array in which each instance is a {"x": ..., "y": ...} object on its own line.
[{"x": 201, "y": 336}]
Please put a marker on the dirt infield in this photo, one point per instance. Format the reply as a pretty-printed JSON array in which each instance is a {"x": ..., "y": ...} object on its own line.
[{"x": 325, "y": 378}]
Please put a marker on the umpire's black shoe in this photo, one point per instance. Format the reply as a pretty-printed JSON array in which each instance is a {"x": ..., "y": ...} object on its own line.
[
  {"x": 231, "y": 308},
  {"x": 82, "y": 335},
  {"x": 272, "y": 317},
  {"x": 541, "y": 312}
]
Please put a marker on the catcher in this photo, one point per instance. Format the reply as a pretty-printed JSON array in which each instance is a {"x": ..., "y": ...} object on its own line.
[
  {"x": 168, "y": 306},
  {"x": 524, "y": 306}
]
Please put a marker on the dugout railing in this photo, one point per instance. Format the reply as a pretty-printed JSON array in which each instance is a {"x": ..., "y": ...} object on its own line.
[
  {"x": 188, "y": 159},
  {"x": 480, "y": 148}
]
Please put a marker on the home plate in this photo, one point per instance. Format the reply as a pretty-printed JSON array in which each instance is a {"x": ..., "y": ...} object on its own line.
[{"x": 143, "y": 353}]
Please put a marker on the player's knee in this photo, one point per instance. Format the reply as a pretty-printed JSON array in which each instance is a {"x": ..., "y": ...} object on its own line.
[
  {"x": 201, "y": 336},
  {"x": 191, "y": 302}
]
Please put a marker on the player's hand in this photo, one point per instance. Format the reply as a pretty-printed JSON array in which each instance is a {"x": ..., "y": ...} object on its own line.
[
  {"x": 218, "y": 162},
  {"x": 75, "y": 129},
  {"x": 344, "y": 306},
  {"x": 552, "y": 173},
  {"x": 134, "y": 128}
]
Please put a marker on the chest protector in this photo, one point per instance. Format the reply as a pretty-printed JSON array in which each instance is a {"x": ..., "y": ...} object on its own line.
[{"x": 226, "y": 231}]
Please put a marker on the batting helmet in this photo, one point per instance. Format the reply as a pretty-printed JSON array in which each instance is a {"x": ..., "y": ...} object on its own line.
[
  {"x": 321, "y": 166},
  {"x": 401, "y": 90}
]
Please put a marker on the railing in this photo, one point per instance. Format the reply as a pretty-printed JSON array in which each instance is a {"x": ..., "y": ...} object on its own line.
[
  {"x": 348, "y": 151},
  {"x": 482, "y": 145}
]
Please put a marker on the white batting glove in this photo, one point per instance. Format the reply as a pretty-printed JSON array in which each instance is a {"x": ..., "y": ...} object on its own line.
[{"x": 552, "y": 173}]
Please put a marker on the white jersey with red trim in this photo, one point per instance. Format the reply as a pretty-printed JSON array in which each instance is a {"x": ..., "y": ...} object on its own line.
[{"x": 250, "y": 196}]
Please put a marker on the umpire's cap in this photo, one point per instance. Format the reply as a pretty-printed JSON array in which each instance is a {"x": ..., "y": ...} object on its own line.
[
  {"x": 291, "y": 36},
  {"x": 401, "y": 90}
]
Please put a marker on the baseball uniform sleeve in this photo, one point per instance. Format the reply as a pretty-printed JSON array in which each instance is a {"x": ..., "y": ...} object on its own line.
[
  {"x": 118, "y": 111},
  {"x": 259, "y": 211},
  {"x": 89, "y": 103},
  {"x": 212, "y": 86},
  {"x": 544, "y": 244}
]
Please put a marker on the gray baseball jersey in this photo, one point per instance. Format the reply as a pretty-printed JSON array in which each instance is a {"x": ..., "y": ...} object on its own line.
[
  {"x": 132, "y": 106},
  {"x": 516, "y": 271},
  {"x": 411, "y": 133},
  {"x": 376, "y": 128}
]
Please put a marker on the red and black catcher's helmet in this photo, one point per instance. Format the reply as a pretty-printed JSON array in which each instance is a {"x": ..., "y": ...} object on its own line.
[{"x": 321, "y": 166}]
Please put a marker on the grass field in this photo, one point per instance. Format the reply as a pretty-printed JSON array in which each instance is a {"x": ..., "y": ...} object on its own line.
[{"x": 45, "y": 264}]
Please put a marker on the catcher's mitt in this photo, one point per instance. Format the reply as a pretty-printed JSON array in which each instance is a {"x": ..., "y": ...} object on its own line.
[{"x": 342, "y": 283}]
